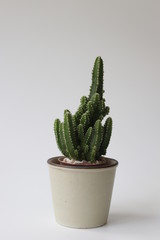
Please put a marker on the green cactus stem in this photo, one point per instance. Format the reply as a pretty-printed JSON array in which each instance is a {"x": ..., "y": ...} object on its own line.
[
  {"x": 97, "y": 78},
  {"x": 82, "y": 136},
  {"x": 96, "y": 139},
  {"x": 69, "y": 135},
  {"x": 106, "y": 136}
]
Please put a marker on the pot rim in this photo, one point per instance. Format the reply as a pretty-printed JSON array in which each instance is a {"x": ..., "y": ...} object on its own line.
[{"x": 110, "y": 163}]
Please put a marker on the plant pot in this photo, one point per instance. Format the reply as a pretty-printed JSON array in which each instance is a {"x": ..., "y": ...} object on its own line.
[{"x": 81, "y": 194}]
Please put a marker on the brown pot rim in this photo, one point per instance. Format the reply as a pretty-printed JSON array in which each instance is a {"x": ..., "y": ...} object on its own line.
[{"x": 110, "y": 163}]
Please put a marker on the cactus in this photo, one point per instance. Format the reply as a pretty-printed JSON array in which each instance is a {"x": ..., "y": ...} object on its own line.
[{"x": 82, "y": 136}]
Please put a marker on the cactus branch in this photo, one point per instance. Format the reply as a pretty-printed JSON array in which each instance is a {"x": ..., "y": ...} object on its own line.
[
  {"x": 107, "y": 135},
  {"x": 69, "y": 135},
  {"x": 96, "y": 139},
  {"x": 57, "y": 133},
  {"x": 81, "y": 109}
]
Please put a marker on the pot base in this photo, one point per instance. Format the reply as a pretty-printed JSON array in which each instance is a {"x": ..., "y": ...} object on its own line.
[{"x": 82, "y": 227}]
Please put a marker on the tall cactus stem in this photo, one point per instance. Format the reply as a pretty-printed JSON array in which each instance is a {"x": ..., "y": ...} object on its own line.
[{"x": 97, "y": 78}]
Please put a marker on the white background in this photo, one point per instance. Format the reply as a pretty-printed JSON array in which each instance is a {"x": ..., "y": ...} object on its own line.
[{"x": 47, "y": 51}]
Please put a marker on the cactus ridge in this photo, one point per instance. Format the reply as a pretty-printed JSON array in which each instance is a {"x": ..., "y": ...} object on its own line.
[
  {"x": 82, "y": 136},
  {"x": 80, "y": 132}
]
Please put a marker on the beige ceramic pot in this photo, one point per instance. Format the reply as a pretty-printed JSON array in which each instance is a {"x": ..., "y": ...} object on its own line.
[{"x": 81, "y": 194}]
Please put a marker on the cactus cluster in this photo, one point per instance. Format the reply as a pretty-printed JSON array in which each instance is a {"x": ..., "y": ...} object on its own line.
[{"x": 82, "y": 136}]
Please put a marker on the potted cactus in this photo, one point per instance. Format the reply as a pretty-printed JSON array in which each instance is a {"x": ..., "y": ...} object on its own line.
[{"x": 82, "y": 179}]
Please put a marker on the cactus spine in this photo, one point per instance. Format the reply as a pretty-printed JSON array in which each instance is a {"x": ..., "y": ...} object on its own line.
[{"x": 82, "y": 136}]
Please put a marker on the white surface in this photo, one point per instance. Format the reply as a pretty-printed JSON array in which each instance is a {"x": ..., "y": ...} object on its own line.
[{"x": 47, "y": 50}]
